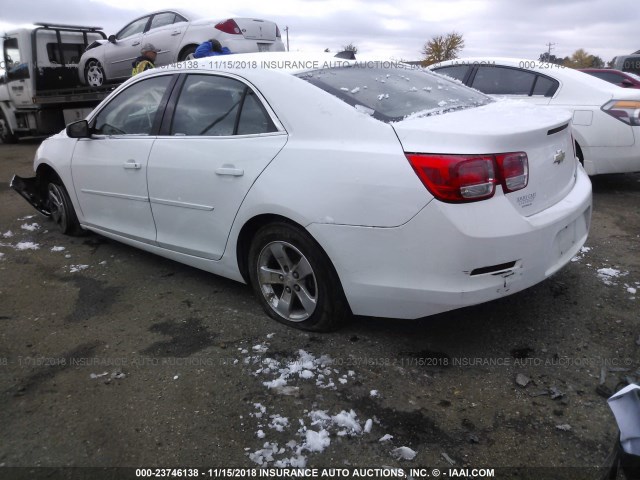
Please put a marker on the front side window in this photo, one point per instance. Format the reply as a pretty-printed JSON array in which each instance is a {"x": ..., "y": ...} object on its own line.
[
  {"x": 135, "y": 27},
  {"x": 395, "y": 93},
  {"x": 15, "y": 67},
  {"x": 503, "y": 81},
  {"x": 133, "y": 111},
  {"x": 218, "y": 106}
]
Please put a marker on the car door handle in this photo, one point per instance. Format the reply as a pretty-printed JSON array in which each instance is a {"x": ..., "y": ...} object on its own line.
[
  {"x": 132, "y": 164},
  {"x": 174, "y": 33},
  {"x": 234, "y": 172},
  {"x": 134, "y": 44}
]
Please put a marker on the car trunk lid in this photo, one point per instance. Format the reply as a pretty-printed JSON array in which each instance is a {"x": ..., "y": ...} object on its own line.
[
  {"x": 503, "y": 127},
  {"x": 256, "y": 29}
]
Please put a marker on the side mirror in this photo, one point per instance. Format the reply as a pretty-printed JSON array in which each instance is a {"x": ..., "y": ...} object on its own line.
[
  {"x": 79, "y": 129},
  {"x": 112, "y": 39},
  {"x": 627, "y": 83}
]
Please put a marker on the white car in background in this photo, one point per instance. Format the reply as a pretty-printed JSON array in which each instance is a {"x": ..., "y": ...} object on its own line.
[
  {"x": 606, "y": 118},
  {"x": 337, "y": 187},
  {"x": 177, "y": 34}
]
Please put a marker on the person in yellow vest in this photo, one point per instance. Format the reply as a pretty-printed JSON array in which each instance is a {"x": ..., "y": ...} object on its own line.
[{"x": 145, "y": 61}]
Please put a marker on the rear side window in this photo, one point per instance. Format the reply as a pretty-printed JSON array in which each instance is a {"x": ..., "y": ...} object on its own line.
[
  {"x": 395, "y": 93},
  {"x": 211, "y": 105},
  {"x": 162, "y": 19},
  {"x": 455, "y": 71},
  {"x": 545, "y": 86}
]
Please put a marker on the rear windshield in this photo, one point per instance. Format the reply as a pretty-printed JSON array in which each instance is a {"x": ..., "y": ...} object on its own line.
[{"x": 397, "y": 93}]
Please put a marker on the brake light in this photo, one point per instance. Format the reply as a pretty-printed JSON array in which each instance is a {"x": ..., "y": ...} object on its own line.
[
  {"x": 627, "y": 111},
  {"x": 278, "y": 32},
  {"x": 514, "y": 171},
  {"x": 470, "y": 178},
  {"x": 229, "y": 26}
]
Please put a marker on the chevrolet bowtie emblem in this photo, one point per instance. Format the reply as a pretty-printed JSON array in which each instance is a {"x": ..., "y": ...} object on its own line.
[{"x": 559, "y": 157}]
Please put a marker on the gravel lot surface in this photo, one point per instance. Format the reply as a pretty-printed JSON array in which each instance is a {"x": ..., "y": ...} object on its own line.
[{"x": 110, "y": 356}]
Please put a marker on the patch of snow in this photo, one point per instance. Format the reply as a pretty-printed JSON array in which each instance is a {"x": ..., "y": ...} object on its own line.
[
  {"x": 27, "y": 246},
  {"x": 58, "y": 249},
  {"x": 385, "y": 438},
  {"x": 344, "y": 89},
  {"x": 30, "y": 227},
  {"x": 404, "y": 453},
  {"x": 278, "y": 422},
  {"x": 77, "y": 268},
  {"x": 608, "y": 274},
  {"x": 382, "y": 96},
  {"x": 175, "y": 377},
  {"x": 260, "y": 348},
  {"x": 374, "y": 393},
  {"x": 98, "y": 375},
  {"x": 316, "y": 441},
  {"x": 270, "y": 335},
  {"x": 368, "y": 425},
  {"x": 260, "y": 434},
  {"x": 7, "y": 234},
  {"x": 1, "y": 255},
  {"x": 348, "y": 421},
  {"x": 355, "y": 90}
]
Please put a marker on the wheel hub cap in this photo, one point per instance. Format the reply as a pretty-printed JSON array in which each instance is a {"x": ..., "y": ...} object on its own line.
[{"x": 287, "y": 281}]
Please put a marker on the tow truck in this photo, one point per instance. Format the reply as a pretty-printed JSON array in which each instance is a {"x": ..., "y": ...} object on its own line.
[{"x": 40, "y": 91}]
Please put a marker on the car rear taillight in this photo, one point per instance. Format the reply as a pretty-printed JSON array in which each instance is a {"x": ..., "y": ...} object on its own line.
[
  {"x": 514, "y": 171},
  {"x": 229, "y": 26},
  {"x": 278, "y": 32},
  {"x": 627, "y": 111},
  {"x": 470, "y": 178}
]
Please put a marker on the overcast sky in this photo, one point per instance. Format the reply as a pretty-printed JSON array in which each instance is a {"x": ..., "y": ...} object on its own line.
[{"x": 399, "y": 29}]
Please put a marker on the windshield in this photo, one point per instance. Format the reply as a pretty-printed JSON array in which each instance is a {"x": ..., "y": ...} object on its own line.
[{"x": 396, "y": 93}]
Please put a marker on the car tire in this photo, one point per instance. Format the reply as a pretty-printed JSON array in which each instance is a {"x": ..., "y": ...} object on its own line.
[
  {"x": 94, "y": 75},
  {"x": 187, "y": 53},
  {"x": 294, "y": 279},
  {"x": 61, "y": 208},
  {"x": 6, "y": 135}
]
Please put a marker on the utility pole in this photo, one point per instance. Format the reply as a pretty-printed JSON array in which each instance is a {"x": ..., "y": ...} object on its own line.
[
  {"x": 286, "y": 29},
  {"x": 550, "y": 45}
]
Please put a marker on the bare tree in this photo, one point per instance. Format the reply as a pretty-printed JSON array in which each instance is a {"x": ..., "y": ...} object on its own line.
[
  {"x": 350, "y": 48},
  {"x": 442, "y": 47}
]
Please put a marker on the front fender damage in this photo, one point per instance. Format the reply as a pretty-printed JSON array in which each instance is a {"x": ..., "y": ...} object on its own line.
[{"x": 30, "y": 189}]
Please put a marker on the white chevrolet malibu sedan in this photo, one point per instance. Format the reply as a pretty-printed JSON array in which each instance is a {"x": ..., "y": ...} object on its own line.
[
  {"x": 331, "y": 186},
  {"x": 606, "y": 118}
]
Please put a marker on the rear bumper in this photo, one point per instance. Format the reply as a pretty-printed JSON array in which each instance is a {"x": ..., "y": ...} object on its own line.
[
  {"x": 29, "y": 189},
  {"x": 446, "y": 256}
]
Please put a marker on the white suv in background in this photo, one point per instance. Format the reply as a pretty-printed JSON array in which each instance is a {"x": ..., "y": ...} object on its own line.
[
  {"x": 606, "y": 118},
  {"x": 177, "y": 34}
]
